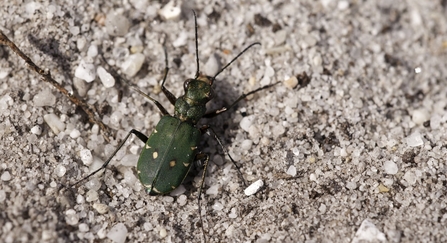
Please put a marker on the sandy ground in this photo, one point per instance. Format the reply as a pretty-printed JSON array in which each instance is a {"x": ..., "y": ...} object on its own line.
[{"x": 361, "y": 138}]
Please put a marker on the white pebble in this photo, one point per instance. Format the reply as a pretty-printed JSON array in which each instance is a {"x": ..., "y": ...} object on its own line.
[
  {"x": 390, "y": 167},
  {"x": 246, "y": 144},
  {"x": 278, "y": 130},
  {"x": 44, "y": 98},
  {"x": 232, "y": 214},
  {"x": 435, "y": 121},
  {"x": 83, "y": 227},
  {"x": 60, "y": 170},
  {"x": 117, "y": 24},
  {"x": 212, "y": 65},
  {"x": 2, "y": 196},
  {"x": 254, "y": 187},
  {"x": 86, "y": 156},
  {"x": 133, "y": 64},
  {"x": 182, "y": 200},
  {"x": 74, "y": 30},
  {"x": 213, "y": 190},
  {"x": 410, "y": 177},
  {"x": 291, "y": 83},
  {"x": 93, "y": 184},
  {"x": 280, "y": 37},
  {"x": 291, "y": 171},
  {"x": 163, "y": 233},
  {"x": 31, "y": 7},
  {"x": 36, "y": 130},
  {"x": 54, "y": 123},
  {"x": 80, "y": 199},
  {"x": 351, "y": 185},
  {"x": 218, "y": 206},
  {"x": 170, "y": 11},
  {"x": 91, "y": 196},
  {"x": 92, "y": 51},
  {"x": 118, "y": 233},
  {"x": 129, "y": 160},
  {"x": 47, "y": 235},
  {"x": 4, "y": 72},
  {"x": 180, "y": 190},
  {"x": 420, "y": 116},
  {"x": 85, "y": 71},
  {"x": 316, "y": 60},
  {"x": 81, "y": 43},
  {"x": 106, "y": 78},
  {"x": 246, "y": 123},
  {"x": 101, "y": 208},
  {"x": 322, "y": 208},
  {"x": 181, "y": 39},
  {"x": 414, "y": 140},
  {"x": 75, "y": 133},
  {"x": 368, "y": 232},
  {"x": 5, "y": 176},
  {"x": 343, "y": 5},
  {"x": 71, "y": 218}
]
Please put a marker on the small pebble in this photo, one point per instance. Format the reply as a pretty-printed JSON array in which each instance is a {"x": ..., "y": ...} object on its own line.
[
  {"x": 118, "y": 233},
  {"x": 37, "y": 130},
  {"x": 44, "y": 98},
  {"x": 60, "y": 170},
  {"x": 368, "y": 232},
  {"x": 254, "y": 187},
  {"x": 91, "y": 196},
  {"x": 213, "y": 190},
  {"x": 85, "y": 71},
  {"x": 291, "y": 171},
  {"x": 5, "y": 176},
  {"x": 246, "y": 123},
  {"x": 75, "y": 133},
  {"x": 117, "y": 24},
  {"x": 163, "y": 233},
  {"x": 170, "y": 11},
  {"x": 390, "y": 167},
  {"x": 420, "y": 116},
  {"x": 83, "y": 227},
  {"x": 54, "y": 123},
  {"x": 383, "y": 188},
  {"x": 106, "y": 78},
  {"x": 410, "y": 177},
  {"x": 212, "y": 65},
  {"x": 414, "y": 140},
  {"x": 71, "y": 217},
  {"x": 92, "y": 51},
  {"x": 86, "y": 156},
  {"x": 291, "y": 83},
  {"x": 133, "y": 64},
  {"x": 101, "y": 208}
]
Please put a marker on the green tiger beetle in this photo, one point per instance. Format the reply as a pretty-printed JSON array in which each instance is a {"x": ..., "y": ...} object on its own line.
[{"x": 172, "y": 147}]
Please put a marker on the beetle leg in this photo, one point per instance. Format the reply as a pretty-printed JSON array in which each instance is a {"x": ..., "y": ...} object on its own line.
[
  {"x": 229, "y": 156},
  {"x": 135, "y": 88},
  {"x": 216, "y": 112},
  {"x": 200, "y": 157},
  {"x": 167, "y": 93},
  {"x": 140, "y": 135}
]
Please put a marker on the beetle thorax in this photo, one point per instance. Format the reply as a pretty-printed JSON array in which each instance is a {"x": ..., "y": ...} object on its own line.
[{"x": 192, "y": 105}]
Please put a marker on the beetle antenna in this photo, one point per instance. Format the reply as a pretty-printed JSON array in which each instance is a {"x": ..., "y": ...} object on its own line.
[
  {"x": 234, "y": 59},
  {"x": 197, "y": 44}
]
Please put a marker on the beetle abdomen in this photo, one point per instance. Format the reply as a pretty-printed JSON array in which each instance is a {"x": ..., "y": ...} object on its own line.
[{"x": 167, "y": 156}]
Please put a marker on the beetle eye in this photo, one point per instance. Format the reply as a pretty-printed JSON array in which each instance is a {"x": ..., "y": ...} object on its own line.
[{"x": 186, "y": 84}]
